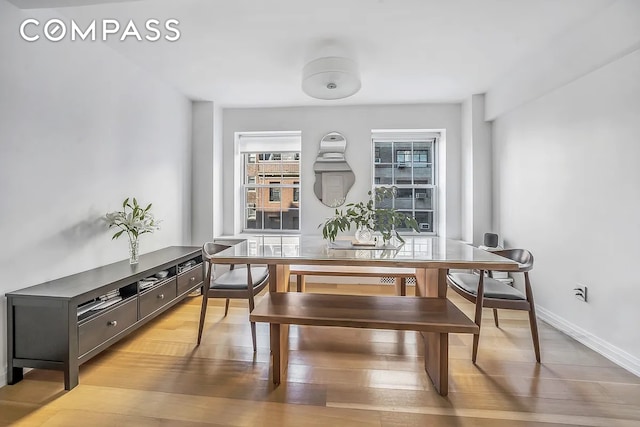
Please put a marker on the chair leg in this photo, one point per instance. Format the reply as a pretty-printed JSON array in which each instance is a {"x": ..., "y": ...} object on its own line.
[
  {"x": 203, "y": 313},
  {"x": 253, "y": 336},
  {"x": 495, "y": 317},
  {"x": 534, "y": 333},
  {"x": 532, "y": 317},
  {"x": 478, "y": 317},
  {"x": 226, "y": 307},
  {"x": 253, "y": 324}
]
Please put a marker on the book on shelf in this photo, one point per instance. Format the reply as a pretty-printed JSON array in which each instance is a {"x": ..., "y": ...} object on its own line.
[
  {"x": 103, "y": 301},
  {"x": 108, "y": 303}
]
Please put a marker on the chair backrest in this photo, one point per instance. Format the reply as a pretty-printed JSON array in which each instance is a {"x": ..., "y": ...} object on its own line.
[
  {"x": 210, "y": 248},
  {"x": 523, "y": 257}
]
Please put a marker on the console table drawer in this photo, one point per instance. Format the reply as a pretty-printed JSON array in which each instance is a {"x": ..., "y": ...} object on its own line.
[
  {"x": 157, "y": 298},
  {"x": 189, "y": 279},
  {"x": 107, "y": 325}
]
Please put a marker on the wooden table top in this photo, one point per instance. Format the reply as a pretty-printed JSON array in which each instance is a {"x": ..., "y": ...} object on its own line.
[{"x": 417, "y": 252}]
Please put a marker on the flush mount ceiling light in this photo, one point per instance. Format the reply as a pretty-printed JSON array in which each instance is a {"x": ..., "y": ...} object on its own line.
[{"x": 331, "y": 77}]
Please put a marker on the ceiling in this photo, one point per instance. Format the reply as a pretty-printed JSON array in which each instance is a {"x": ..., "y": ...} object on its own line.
[{"x": 251, "y": 52}]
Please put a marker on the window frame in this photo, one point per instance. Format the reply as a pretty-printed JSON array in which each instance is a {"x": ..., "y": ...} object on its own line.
[
  {"x": 389, "y": 136},
  {"x": 245, "y": 187}
]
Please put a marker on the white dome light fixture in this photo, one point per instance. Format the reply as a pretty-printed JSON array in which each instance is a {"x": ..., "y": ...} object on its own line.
[{"x": 331, "y": 77}]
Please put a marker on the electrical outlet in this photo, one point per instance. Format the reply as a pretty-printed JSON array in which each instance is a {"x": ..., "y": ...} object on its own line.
[{"x": 580, "y": 291}]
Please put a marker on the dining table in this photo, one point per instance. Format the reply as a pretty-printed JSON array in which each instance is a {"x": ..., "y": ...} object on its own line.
[{"x": 432, "y": 257}]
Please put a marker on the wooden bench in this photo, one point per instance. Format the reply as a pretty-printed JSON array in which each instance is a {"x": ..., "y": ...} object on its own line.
[
  {"x": 399, "y": 274},
  {"x": 435, "y": 318}
]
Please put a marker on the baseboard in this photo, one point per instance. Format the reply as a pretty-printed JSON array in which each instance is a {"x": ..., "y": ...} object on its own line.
[
  {"x": 611, "y": 352},
  {"x": 3, "y": 377}
]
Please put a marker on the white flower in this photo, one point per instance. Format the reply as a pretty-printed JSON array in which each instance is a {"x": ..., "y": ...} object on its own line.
[{"x": 132, "y": 219}]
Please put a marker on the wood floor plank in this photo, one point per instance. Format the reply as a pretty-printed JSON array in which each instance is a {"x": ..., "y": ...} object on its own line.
[
  {"x": 337, "y": 377},
  {"x": 69, "y": 417},
  {"x": 36, "y": 392},
  {"x": 413, "y": 400}
]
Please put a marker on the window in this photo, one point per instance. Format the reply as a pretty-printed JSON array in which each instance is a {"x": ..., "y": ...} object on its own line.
[
  {"x": 270, "y": 157},
  {"x": 405, "y": 160},
  {"x": 296, "y": 192},
  {"x": 403, "y": 157},
  {"x": 274, "y": 192},
  {"x": 271, "y": 181}
]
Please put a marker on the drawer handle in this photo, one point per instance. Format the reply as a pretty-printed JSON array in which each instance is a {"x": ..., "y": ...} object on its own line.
[
  {"x": 161, "y": 296},
  {"x": 193, "y": 279},
  {"x": 112, "y": 323}
]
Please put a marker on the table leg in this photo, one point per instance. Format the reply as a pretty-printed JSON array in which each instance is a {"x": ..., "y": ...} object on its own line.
[
  {"x": 436, "y": 360},
  {"x": 431, "y": 282},
  {"x": 278, "y": 278},
  {"x": 279, "y": 334}
]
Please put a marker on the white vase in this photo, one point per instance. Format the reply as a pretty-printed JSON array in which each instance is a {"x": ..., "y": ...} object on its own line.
[{"x": 364, "y": 235}]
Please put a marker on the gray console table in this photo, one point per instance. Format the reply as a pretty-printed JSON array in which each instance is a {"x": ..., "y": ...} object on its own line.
[{"x": 46, "y": 330}]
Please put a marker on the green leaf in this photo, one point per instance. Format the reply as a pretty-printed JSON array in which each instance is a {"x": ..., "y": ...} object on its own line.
[{"x": 118, "y": 234}]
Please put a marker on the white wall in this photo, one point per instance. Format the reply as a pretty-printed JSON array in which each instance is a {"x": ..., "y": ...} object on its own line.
[
  {"x": 482, "y": 170},
  {"x": 218, "y": 171},
  {"x": 207, "y": 174},
  {"x": 476, "y": 173},
  {"x": 355, "y": 123},
  {"x": 466, "y": 172},
  {"x": 202, "y": 177},
  {"x": 567, "y": 182},
  {"x": 592, "y": 43},
  {"x": 80, "y": 129}
]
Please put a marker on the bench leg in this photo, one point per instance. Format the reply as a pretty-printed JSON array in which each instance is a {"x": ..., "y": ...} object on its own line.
[
  {"x": 436, "y": 360},
  {"x": 274, "y": 334},
  {"x": 301, "y": 283},
  {"x": 401, "y": 286},
  {"x": 279, "y": 336}
]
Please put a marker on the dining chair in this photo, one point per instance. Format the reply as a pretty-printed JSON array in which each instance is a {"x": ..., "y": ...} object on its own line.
[
  {"x": 242, "y": 282},
  {"x": 485, "y": 291}
]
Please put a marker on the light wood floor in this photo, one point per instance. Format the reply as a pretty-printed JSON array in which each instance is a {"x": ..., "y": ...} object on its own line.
[{"x": 337, "y": 377}]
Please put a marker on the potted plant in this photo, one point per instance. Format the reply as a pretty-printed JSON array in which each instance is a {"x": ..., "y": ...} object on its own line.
[
  {"x": 133, "y": 220},
  {"x": 367, "y": 218}
]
